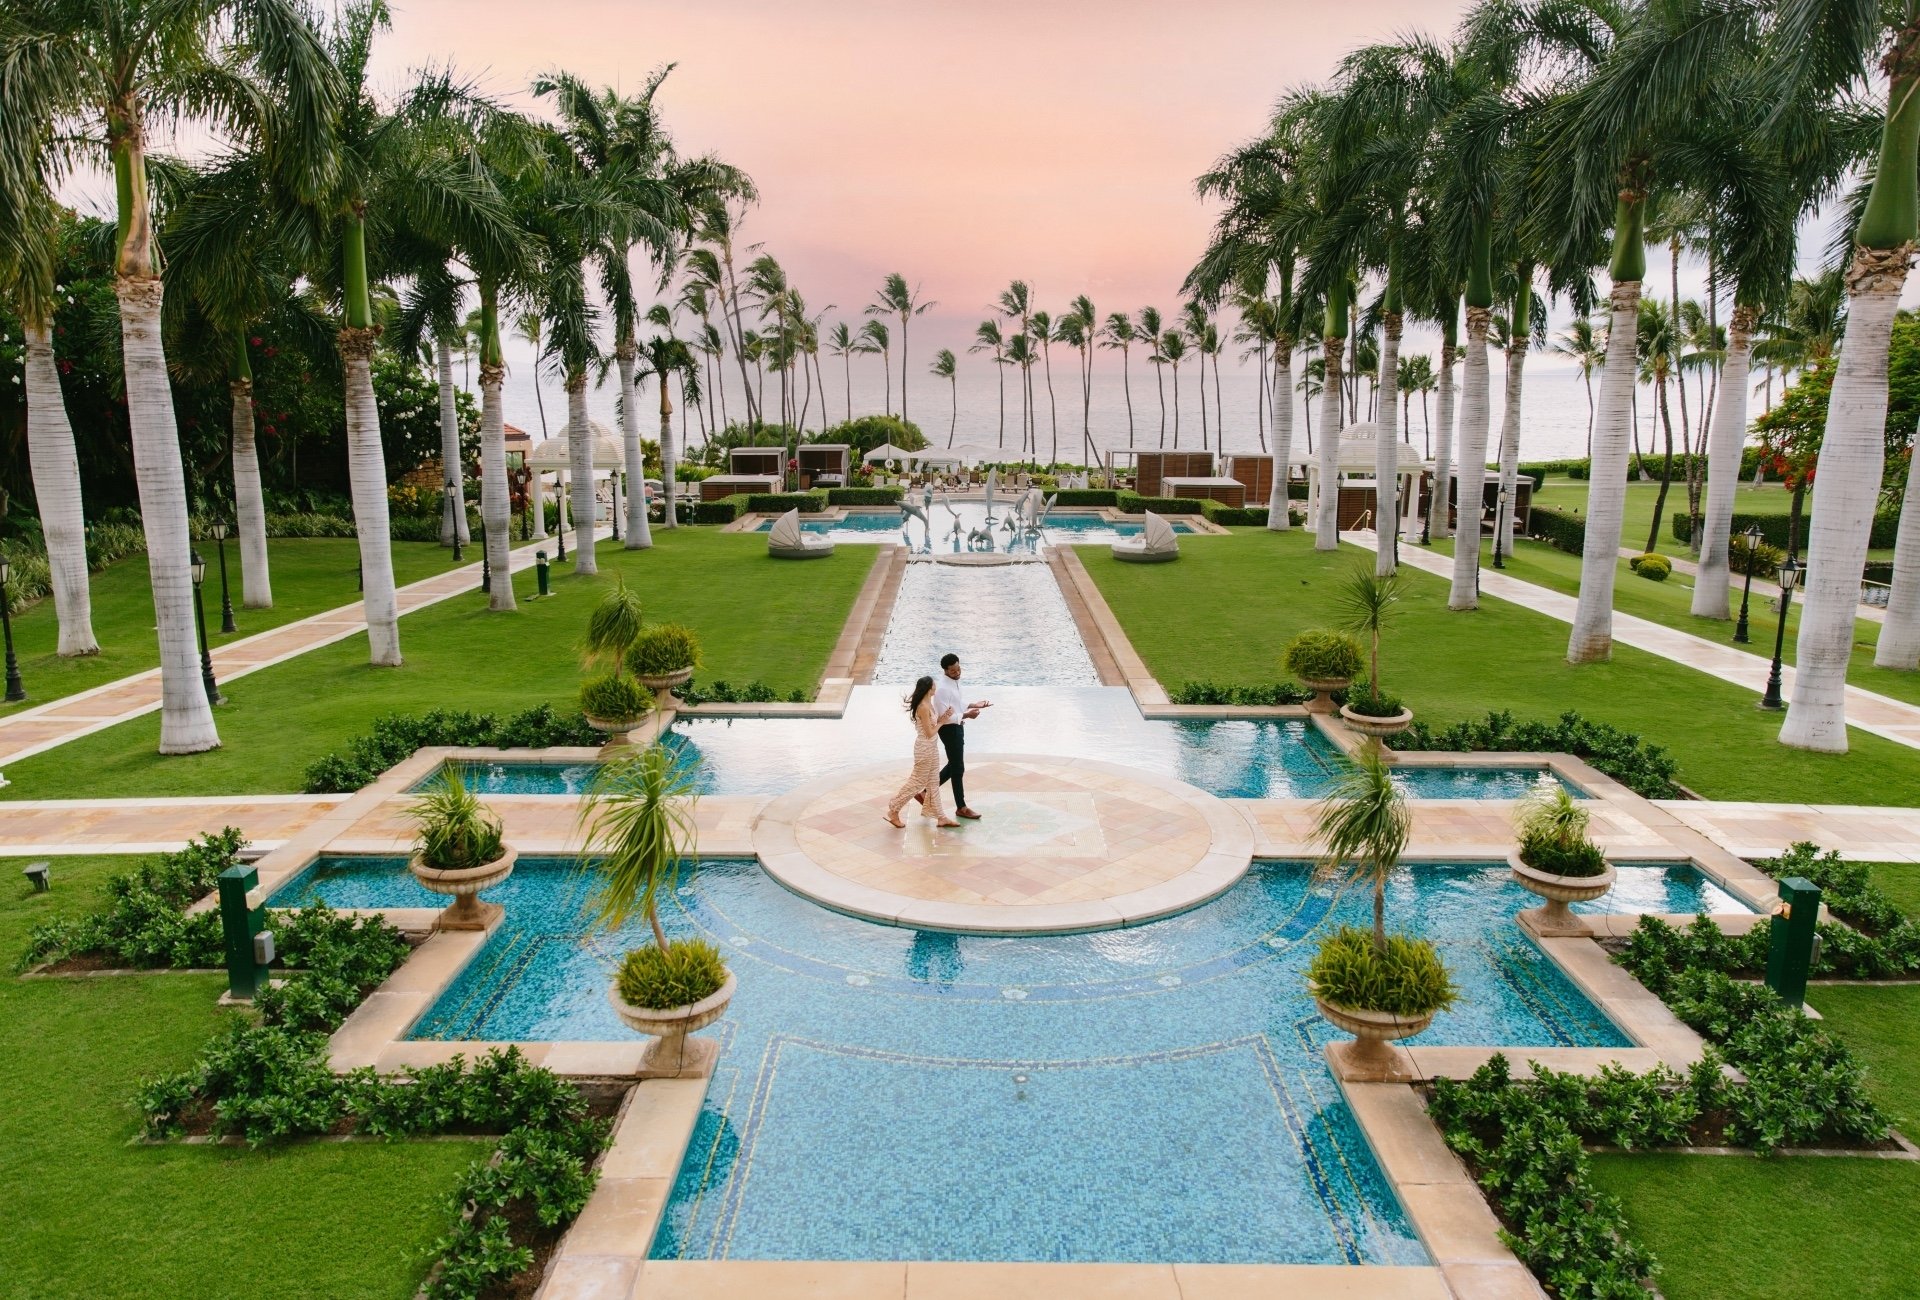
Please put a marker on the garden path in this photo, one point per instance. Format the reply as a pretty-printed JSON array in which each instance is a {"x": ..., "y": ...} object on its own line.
[{"x": 32, "y": 731}]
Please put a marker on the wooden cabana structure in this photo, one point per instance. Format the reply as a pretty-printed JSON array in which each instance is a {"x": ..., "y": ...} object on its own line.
[
  {"x": 1151, "y": 467},
  {"x": 823, "y": 464},
  {"x": 756, "y": 461}
]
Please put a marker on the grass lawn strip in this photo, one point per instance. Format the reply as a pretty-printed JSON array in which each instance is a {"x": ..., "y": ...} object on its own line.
[
  {"x": 757, "y": 619},
  {"x": 1226, "y": 611},
  {"x": 94, "y": 1216}
]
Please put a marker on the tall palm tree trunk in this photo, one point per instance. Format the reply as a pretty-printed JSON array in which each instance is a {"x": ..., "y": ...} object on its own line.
[
  {"x": 1591, "y": 638},
  {"x": 1326, "y": 529},
  {"x": 1278, "y": 518},
  {"x": 249, "y": 502},
  {"x": 1510, "y": 443},
  {"x": 1712, "y": 585},
  {"x": 55, "y": 466},
  {"x": 666, "y": 458},
  {"x": 1003, "y": 402},
  {"x": 452, "y": 522},
  {"x": 1160, "y": 382},
  {"x": 953, "y": 425},
  {"x": 367, "y": 476},
  {"x": 1472, "y": 472},
  {"x": 582, "y": 497},
  {"x": 903, "y": 366},
  {"x": 496, "y": 508},
  {"x": 1126, "y": 386},
  {"x": 1440, "y": 495},
  {"x": 1220, "y": 412},
  {"x": 1900, "y": 635},
  {"x": 1176, "y": 404},
  {"x": 1666, "y": 468},
  {"x": 1046, "y": 354},
  {"x": 1202, "y": 386},
  {"x": 639, "y": 535},
  {"x": 1386, "y": 456}
]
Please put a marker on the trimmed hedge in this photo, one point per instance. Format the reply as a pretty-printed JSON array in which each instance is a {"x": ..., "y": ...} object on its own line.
[
  {"x": 1559, "y": 529},
  {"x": 1645, "y": 768},
  {"x": 1132, "y": 503},
  {"x": 1087, "y": 497},
  {"x": 723, "y": 511},
  {"x": 778, "y": 503},
  {"x": 867, "y": 496},
  {"x": 397, "y": 735},
  {"x": 1234, "y": 516},
  {"x": 1774, "y": 528}
]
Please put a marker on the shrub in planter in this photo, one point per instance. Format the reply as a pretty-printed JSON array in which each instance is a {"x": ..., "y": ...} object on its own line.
[
  {"x": 1652, "y": 566},
  {"x": 458, "y": 850},
  {"x": 1408, "y": 979},
  {"x": 1553, "y": 833},
  {"x": 615, "y": 697},
  {"x": 662, "y": 650},
  {"x": 1364, "y": 700},
  {"x": 1322, "y": 656},
  {"x": 675, "y": 976}
]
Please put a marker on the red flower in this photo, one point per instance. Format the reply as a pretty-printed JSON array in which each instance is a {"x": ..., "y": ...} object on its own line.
[
  {"x": 255, "y": 340},
  {"x": 273, "y": 352},
  {"x": 66, "y": 367}
]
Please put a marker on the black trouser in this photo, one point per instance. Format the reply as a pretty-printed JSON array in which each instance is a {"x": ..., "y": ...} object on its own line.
[{"x": 954, "y": 737}]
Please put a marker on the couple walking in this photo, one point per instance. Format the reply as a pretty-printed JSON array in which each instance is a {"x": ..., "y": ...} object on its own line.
[{"x": 939, "y": 711}]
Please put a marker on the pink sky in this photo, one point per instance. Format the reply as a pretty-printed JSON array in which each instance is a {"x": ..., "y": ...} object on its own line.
[{"x": 963, "y": 145}]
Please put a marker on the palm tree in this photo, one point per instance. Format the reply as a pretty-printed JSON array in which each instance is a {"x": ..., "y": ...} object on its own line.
[
  {"x": 1021, "y": 355},
  {"x": 944, "y": 367},
  {"x": 1193, "y": 323},
  {"x": 1520, "y": 329},
  {"x": 1333, "y": 336},
  {"x": 1172, "y": 351},
  {"x": 1118, "y": 332},
  {"x": 661, "y": 357},
  {"x": 842, "y": 343},
  {"x": 28, "y": 228},
  {"x": 1147, "y": 327},
  {"x": 1078, "y": 329},
  {"x": 94, "y": 75},
  {"x": 1016, "y": 303},
  {"x": 1416, "y": 376},
  {"x": 878, "y": 340},
  {"x": 987, "y": 338},
  {"x": 716, "y": 228},
  {"x": 1046, "y": 334},
  {"x": 895, "y": 299},
  {"x": 637, "y": 823},
  {"x": 1658, "y": 345},
  {"x": 1579, "y": 343},
  {"x": 528, "y": 330},
  {"x": 1365, "y": 821}
]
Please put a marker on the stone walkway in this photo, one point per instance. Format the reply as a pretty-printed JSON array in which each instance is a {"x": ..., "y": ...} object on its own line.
[
  {"x": 1893, "y": 719},
  {"x": 35, "y": 730}
]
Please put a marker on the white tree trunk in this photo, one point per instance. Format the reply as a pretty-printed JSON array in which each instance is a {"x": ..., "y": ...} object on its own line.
[
  {"x": 1439, "y": 509},
  {"x": 583, "y": 498},
  {"x": 1712, "y": 587},
  {"x": 367, "y": 477},
  {"x": 452, "y": 521},
  {"x": 1510, "y": 445},
  {"x": 1326, "y": 529},
  {"x": 1845, "y": 493},
  {"x": 496, "y": 509},
  {"x": 1386, "y": 452},
  {"x": 1900, "y": 634},
  {"x": 1472, "y": 472},
  {"x": 186, "y": 716},
  {"x": 1592, "y": 636},
  {"x": 537, "y": 501},
  {"x": 56, "y": 487},
  {"x": 249, "y": 503},
  {"x": 1278, "y": 518},
  {"x": 667, "y": 484},
  {"x": 639, "y": 534}
]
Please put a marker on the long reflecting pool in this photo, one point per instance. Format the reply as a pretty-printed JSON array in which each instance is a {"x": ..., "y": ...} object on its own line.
[
  {"x": 1147, "y": 1094},
  {"x": 939, "y": 536}
]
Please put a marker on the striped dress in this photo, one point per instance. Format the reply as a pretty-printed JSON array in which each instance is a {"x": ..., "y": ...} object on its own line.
[{"x": 925, "y": 778}]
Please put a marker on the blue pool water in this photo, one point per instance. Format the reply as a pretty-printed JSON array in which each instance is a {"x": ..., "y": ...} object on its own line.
[
  {"x": 1064, "y": 528},
  {"x": 1150, "y": 1094}
]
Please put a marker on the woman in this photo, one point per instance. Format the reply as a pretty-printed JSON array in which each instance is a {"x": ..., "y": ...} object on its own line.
[{"x": 924, "y": 782}]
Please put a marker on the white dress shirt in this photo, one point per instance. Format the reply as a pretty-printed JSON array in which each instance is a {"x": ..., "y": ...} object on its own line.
[{"x": 947, "y": 695}]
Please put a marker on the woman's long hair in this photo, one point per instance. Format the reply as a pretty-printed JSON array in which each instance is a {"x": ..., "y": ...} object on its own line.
[{"x": 921, "y": 689}]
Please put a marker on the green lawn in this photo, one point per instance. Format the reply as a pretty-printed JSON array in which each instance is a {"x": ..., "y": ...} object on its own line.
[
  {"x": 90, "y": 1215},
  {"x": 1229, "y": 607},
  {"x": 1792, "y": 1228},
  {"x": 1901, "y": 880},
  {"x": 757, "y": 619},
  {"x": 1670, "y": 603},
  {"x": 309, "y": 575},
  {"x": 1564, "y": 493}
]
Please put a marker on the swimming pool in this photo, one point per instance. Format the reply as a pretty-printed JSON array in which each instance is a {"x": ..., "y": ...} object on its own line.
[
  {"x": 1147, "y": 1094},
  {"x": 1063, "y": 528}
]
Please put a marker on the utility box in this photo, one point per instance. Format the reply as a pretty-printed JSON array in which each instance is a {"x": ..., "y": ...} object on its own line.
[
  {"x": 1791, "y": 939},
  {"x": 247, "y": 960}
]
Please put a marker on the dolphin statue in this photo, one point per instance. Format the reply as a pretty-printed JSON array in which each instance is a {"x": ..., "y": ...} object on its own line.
[{"x": 993, "y": 481}]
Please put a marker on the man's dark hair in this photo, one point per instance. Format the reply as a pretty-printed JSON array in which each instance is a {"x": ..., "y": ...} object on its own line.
[{"x": 948, "y": 661}]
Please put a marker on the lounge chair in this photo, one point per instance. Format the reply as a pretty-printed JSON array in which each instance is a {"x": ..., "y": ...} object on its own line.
[
  {"x": 788, "y": 541},
  {"x": 1156, "y": 543}
]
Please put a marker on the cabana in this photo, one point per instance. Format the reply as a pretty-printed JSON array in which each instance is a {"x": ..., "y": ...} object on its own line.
[
  {"x": 716, "y": 486},
  {"x": 1254, "y": 472},
  {"x": 789, "y": 541},
  {"x": 756, "y": 462},
  {"x": 1156, "y": 543},
  {"x": 1150, "y": 467},
  {"x": 1355, "y": 502},
  {"x": 823, "y": 464}
]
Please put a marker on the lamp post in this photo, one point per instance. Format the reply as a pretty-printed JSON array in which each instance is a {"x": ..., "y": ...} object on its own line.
[
  {"x": 614, "y": 514},
  {"x": 456, "y": 506},
  {"x": 560, "y": 522},
  {"x": 1753, "y": 549},
  {"x": 1499, "y": 517},
  {"x": 486, "y": 557},
  {"x": 15, "y": 691},
  {"x": 1790, "y": 570},
  {"x": 200, "y": 624},
  {"x": 226, "y": 596}
]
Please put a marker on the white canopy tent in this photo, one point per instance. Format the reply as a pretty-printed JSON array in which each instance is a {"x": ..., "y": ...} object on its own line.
[
  {"x": 886, "y": 451},
  {"x": 1357, "y": 463}
]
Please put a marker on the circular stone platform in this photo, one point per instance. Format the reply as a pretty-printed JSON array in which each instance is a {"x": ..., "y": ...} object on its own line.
[{"x": 1062, "y": 845}]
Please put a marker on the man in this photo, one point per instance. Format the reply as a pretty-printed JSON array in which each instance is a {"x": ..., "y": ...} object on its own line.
[{"x": 946, "y": 695}]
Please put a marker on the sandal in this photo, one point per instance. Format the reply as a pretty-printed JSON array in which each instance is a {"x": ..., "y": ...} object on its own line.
[{"x": 895, "y": 823}]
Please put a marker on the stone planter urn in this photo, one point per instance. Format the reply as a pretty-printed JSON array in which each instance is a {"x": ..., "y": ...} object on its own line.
[
  {"x": 1378, "y": 728},
  {"x": 1552, "y": 920},
  {"x": 464, "y": 886},
  {"x": 1369, "y": 1058},
  {"x": 671, "y": 1054},
  {"x": 1323, "y": 689},
  {"x": 663, "y": 684},
  {"x": 617, "y": 732}
]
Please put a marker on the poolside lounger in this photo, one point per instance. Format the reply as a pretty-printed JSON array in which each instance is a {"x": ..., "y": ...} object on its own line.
[
  {"x": 1155, "y": 545},
  {"x": 788, "y": 541}
]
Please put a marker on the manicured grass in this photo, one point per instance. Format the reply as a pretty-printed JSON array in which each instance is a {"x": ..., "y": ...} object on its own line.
[
  {"x": 1882, "y": 1026},
  {"x": 1901, "y": 880},
  {"x": 91, "y": 1215},
  {"x": 757, "y": 619},
  {"x": 1670, "y": 603},
  {"x": 309, "y": 575},
  {"x": 1228, "y": 608},
  {"x": 1564, "y": 493}
]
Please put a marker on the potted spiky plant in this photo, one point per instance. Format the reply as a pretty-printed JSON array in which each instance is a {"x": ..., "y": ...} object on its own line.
[
  {"x": 663, "y": 657},
  {"x": 459, "y": 850},
  {"x": 1368, "y": 601},
  {"x": 1324, "y": 662},
  {"x": 638, "y": 823},
  {"x": 613, "y": 700},
  {"x": 1556, "y": 861},
  {"x": 1379, "y": 987}
]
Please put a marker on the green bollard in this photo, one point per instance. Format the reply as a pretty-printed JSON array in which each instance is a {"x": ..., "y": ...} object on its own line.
[
  {"x": 540, "y": 571},
  {"x": 1792, "y": 938},
  {"x": 241, "y": 925}
]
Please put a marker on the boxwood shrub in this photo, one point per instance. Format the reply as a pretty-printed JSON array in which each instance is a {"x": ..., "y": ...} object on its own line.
[
  {"x": 1083, "y": 497},
  {"x": 1227, "y": 516},
  {"x": 778, "y": 503},
  {"x": 723, "y": 511},
  {"x": 396, "y": 735},
  {"x": 1560, "y": 529},
  {"x": 1132, "y": 503},
  {"x": 1643, "y": 767},
  {"x": 863, "y": 496},
  {"x": 1774, "y": 528}
]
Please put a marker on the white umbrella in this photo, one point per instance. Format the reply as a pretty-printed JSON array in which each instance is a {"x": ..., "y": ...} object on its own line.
[
  {"x": 556, "y": 454},
  {"x": 886, "y": 451}
]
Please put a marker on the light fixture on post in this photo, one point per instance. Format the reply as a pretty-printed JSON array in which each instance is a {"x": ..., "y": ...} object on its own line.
[
  {"x": 1753, "y": 555},
  {"x": 1790, "y": 571},
  {"x": 15, "y": 691},
  {"x": 199, "y": 567},
  {"x": 613, "y": 513},
  {"x": 226, "y": 596},
  {"x": 560, "y": 519},
  {"x": 1499, "y": 518},
  {"x": 456, "y": 507}
]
